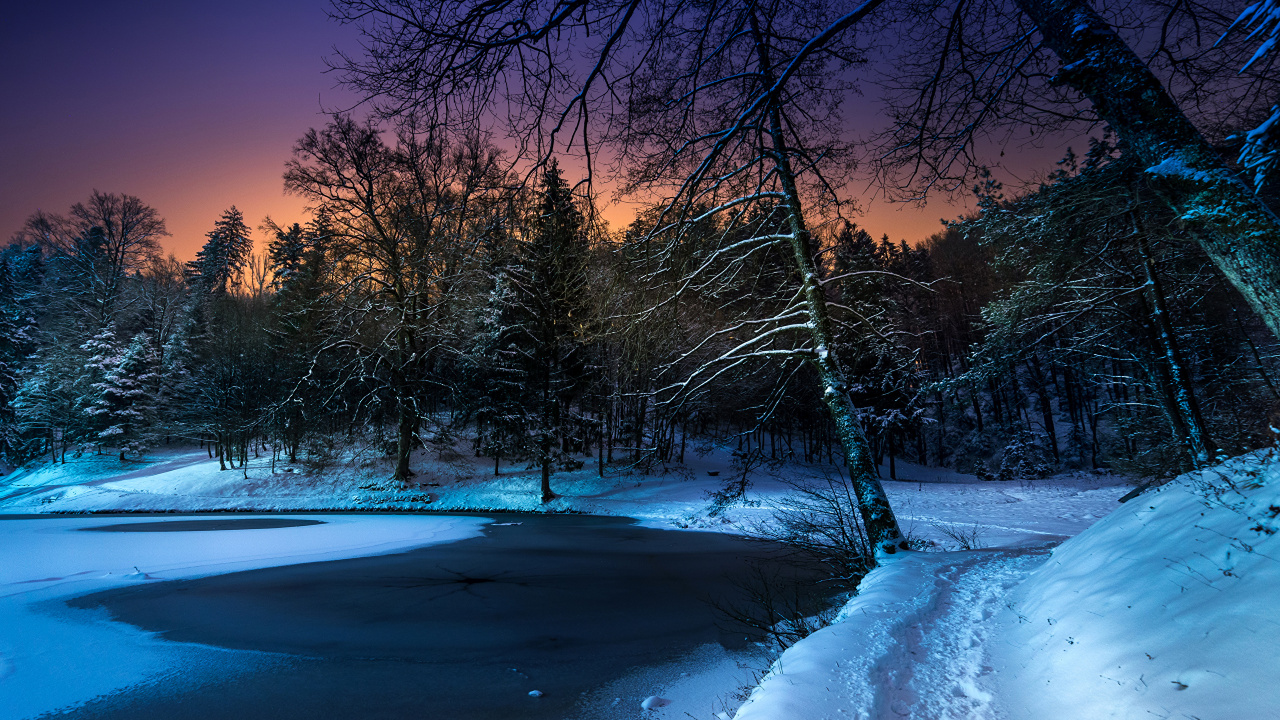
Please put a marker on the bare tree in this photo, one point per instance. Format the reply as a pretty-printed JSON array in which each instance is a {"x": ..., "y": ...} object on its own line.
[
  {"x": 103, "y": 240},
  {"x": 399, "y": 219},
  {"x": 729, "y": 112}
]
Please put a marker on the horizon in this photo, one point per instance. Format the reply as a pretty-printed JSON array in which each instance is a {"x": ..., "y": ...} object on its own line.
[{"x": 194, "y": 109}]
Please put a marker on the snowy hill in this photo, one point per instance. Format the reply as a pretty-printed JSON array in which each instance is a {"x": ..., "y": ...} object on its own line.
[{"x": 1163, "y": 609}]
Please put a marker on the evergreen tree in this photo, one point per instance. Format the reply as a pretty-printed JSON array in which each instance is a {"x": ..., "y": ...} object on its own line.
[
  {"x": 300, "y": 263},
  {"x": 548, "y": 305},
  {"x": 1105, "y": 308},
  {"x": 17, "y": 342},
  {"x": 869, "y": 323},
  {"x": 124, "y": 405},
  {"x": 49, "y": 402},
  {"x": 287, "y": 253},
  {"x": 220, "y": 263},
  {"x": 502, "y": 396}
]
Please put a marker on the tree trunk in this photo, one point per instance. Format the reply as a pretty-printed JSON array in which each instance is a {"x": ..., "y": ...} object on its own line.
[
  {"x": 547, "y": 495},
  {"x": 1046, "y": 407},
  {"x": 1238, "y": 232},
  {"x": 873, "y": 505},
  {"x": 1186, "y": 407},
  {"x": 408, "y": 429}
]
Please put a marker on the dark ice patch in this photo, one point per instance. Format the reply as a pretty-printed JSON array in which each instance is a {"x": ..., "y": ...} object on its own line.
[{"x": 205, "y": 525}]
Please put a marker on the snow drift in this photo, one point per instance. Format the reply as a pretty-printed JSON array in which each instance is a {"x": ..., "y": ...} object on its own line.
[
  {"x": 1162, "y": 609},
  {"x": 1166, "y": 608}
]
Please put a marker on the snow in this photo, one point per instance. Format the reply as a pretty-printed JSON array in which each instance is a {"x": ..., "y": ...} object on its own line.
[
  {"x": 910, "y": 644},
  {"x": 924, "y": 499},
  {"x": 929, "y": 635},
  {"x": 1165, "y": 608},
  {"x": 653, "y": 702},
  {"x": 1173, "y": 166},
  {"x": 53, "y": 657}
]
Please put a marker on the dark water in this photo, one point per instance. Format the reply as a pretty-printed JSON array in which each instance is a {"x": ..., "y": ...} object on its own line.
[
  {"x": 560, "y": 604},
  {"x": 257, "y": 523}
]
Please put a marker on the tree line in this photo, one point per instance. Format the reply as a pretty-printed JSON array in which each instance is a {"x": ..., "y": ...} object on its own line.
[
  {"x": 1072, "y": 327},
  {"x": 1122, "y": 314}
]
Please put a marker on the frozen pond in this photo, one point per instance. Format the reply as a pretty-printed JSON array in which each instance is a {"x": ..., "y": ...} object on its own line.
[{"x": 464, "y": 629}]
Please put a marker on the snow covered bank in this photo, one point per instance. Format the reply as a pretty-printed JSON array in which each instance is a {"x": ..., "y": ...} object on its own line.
[
  {"x": 54, "y": 657},
  {"x": 188, "y": 481},
  {"x": 1165, "y": 608}
]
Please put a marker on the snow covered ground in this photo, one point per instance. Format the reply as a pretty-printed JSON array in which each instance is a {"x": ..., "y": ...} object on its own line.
[
  {"x": 1164, "y": 609},
  {"x": 926, "y": 499},
  {"x": 1161, "y": 609}
]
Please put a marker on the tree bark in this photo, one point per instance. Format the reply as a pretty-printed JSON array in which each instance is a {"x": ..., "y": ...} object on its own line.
[
  {"x": 1194, "y": 435},
  {"x": 1238, "y": 232},
  {"x": 547, "y": 495},
  {"x": 882, "y": 528},
  {"x": 408, "y": 429}
]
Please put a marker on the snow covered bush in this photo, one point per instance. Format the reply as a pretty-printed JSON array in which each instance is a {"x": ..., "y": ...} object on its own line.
[{"x": 1024, "y": 458}]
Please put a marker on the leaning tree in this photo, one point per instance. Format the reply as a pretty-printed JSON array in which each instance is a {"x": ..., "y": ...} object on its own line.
[
  {"x": 995, "y": 72},
  {"x": 728, "y": 112}
]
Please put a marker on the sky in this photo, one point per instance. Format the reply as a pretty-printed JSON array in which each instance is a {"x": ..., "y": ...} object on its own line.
[{"x": 193, "y": 107}]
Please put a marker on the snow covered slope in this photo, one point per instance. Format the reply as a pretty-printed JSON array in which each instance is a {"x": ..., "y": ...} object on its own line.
[
  {"x": 1163, "y": 609},
  {"x": 1166, "y": 608}
]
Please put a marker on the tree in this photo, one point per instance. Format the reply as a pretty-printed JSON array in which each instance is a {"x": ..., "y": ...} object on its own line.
[
  {"x": 17, "y": 343},
  {"x": 735, "y": 117},
  {"x": 123, "y": 404},
  {"x": 499, "y": 380},
  {"x": 100, "y": 243},
  {"x": 301, "y": 269},
  {"x": 1261, "y": 150},
  {"x": 1101, "y": 287},
  {"x": 1236, "y": 229},
  {"x": 547, "y": 307},
  {"x": 219, "y": 265},
  {"x": 403, "y": 220},
  {"x": 993, "y": 70}
]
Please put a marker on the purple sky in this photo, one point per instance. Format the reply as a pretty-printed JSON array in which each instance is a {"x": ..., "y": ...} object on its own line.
[{"x": 191, "y": 106}]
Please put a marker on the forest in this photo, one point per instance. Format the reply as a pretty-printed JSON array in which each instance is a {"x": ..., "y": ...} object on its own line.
[{"x": 1117, "y": 314}]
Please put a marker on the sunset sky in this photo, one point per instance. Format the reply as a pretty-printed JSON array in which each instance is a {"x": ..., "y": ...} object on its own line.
[{"x": 191, "y": 106}]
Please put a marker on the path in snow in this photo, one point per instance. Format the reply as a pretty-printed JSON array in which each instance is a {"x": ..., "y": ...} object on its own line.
[
  {"x": 937, "y": 668},
  {"x": 911, "y": 644}
]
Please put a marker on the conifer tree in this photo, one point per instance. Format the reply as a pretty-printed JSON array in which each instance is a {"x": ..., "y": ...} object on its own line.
[
  {"x": 17, "y": 342},
  {"x": 220, "y": 263},
  {"x": 124, "y": 403},
  {"x": 548, "y": 306}
]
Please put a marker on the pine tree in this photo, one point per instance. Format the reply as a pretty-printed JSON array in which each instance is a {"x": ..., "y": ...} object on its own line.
[
  {"x": 882, "y": 379},
  {"x": 300, "y": 263},
  {"x": 49, "y": 402},
  {"x": 220, "y": 263},
  {"x": 124, "y": 405},
  {"x": 17, "y": 342},
  {"x": 287, "y": 253},
  {"x": 548, "y": 305},
  {"x": 502, "y": 395}
]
